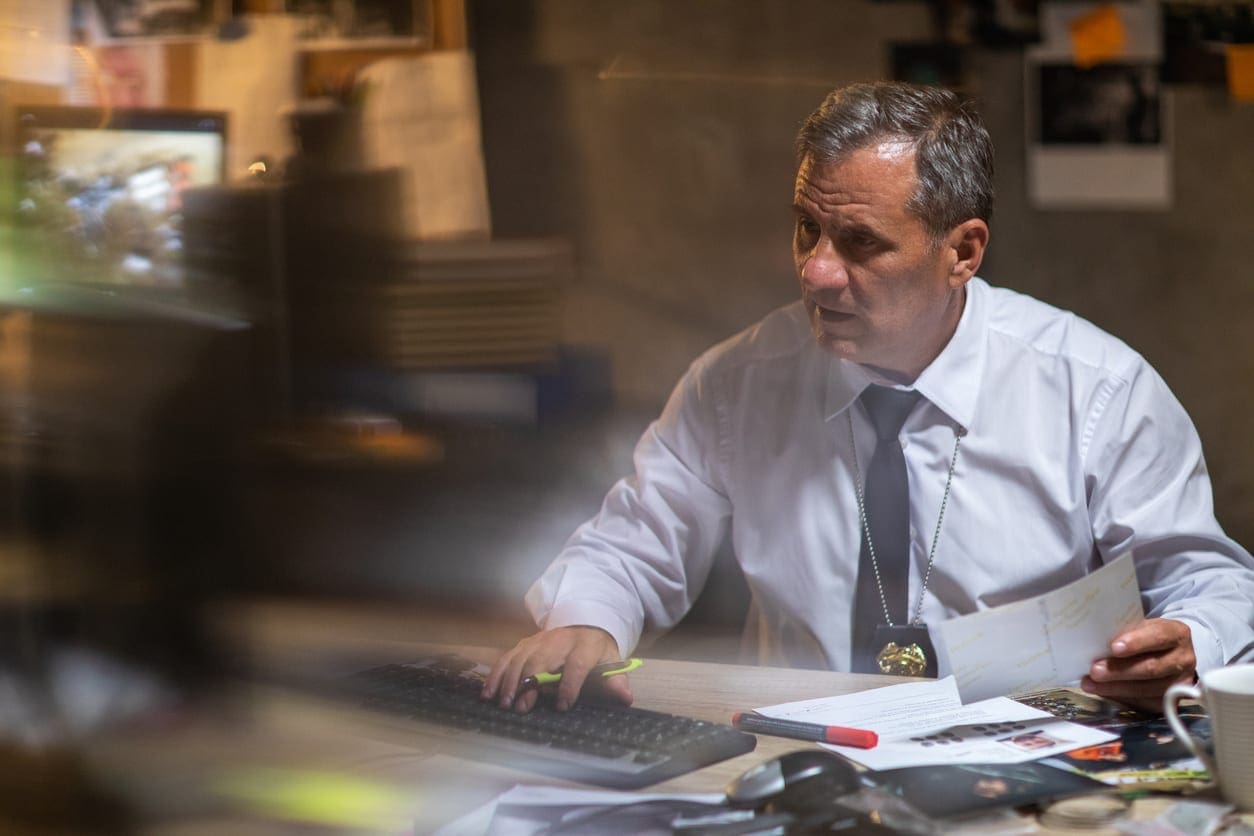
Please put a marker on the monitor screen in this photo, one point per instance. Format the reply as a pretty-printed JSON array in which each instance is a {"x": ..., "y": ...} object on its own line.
[{"x": 100, "y": 197}]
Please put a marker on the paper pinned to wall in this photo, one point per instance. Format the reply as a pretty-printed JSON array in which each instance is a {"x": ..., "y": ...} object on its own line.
[
  {"x": 35, "y": 41},
  {"x": 421, "y": 115},
  {"x": 254, "y": 80},
  {"x": 1098, "y": 119},
  {"x": 1045, "y": 641},
  {"x": 123, "y": 75},
  {"x": 1240, "y": 63},
  {"x": 1097, "y": 36},
  {"x": 1138, "y": 23}
]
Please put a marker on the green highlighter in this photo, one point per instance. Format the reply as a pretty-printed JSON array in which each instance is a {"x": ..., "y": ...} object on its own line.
[{"x": 604, "y": 669}]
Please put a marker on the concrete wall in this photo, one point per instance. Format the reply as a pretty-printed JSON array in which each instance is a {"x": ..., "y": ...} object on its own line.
[{"x": 658, "y": 136}]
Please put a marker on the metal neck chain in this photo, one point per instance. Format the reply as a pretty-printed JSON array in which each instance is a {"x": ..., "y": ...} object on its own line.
[{"x": 866, "y": 531}]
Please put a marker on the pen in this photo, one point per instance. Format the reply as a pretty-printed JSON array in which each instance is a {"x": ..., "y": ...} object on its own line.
[
  {"x": 797, "y": 730},
  {"x": 604, "y": 669}
]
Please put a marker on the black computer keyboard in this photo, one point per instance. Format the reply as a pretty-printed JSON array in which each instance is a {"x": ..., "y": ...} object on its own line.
[{"x": 608, "y": 745}]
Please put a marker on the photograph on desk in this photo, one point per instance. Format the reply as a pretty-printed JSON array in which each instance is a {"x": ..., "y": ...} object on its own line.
[
  {"x": 1147, "y": 754},
  {"x": 1081, "y": 707},
  {"x": 963, "y": 789}
]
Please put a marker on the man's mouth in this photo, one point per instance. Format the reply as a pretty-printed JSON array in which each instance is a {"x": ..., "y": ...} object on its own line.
[{"x": 831, "y": 314}]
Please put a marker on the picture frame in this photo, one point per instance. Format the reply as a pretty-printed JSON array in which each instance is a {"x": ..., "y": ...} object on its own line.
[
  {"x": 124, "y": 20},
  {"x": 358, "y": 21}
]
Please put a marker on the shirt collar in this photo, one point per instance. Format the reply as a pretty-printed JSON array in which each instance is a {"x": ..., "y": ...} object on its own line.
[{"x": 951, "y": 382}]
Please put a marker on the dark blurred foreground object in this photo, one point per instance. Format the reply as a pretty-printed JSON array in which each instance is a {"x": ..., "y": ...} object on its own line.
[
  {"x": 299, "y": 254},
  {"x": 49, "y": 791},
  {"x": 132, "y": 426},
  {"x": 124, "y": 424}
]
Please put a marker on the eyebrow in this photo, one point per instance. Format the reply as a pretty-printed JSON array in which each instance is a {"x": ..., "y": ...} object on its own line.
[
  {"x": 859, "y": 226},
  {"x": 850, "y": 227}
]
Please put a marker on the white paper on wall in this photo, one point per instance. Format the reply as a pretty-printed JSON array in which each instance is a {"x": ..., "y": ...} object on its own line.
[
  {"x": 254, "y": 80},
  {"x": 35, "y": 41},
  {"x": 421, "y": 114},
  {"x": 1098, "y": 137}
]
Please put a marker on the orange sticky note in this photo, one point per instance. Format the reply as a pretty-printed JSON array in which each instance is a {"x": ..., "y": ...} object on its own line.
[
  {"x": 1097, "y": 36},
  {"x": 1240, "y": 59}
]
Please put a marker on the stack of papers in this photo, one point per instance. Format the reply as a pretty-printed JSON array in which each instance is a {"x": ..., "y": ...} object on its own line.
[
  {"x": 921, "y": 723},
  {"x": 1041, "y": 642}
]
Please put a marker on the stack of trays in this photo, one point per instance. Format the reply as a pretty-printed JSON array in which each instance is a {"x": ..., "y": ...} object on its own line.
[{"x": 460, "y": 305}]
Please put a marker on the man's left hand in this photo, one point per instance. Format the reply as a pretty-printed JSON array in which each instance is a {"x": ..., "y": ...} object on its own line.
[{"x": 1143, "y": 663}]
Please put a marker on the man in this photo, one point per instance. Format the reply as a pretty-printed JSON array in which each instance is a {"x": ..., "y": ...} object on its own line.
[{"x": 1032, "y": 447}]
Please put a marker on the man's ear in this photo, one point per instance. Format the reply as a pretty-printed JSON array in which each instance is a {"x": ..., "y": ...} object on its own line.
[{"x": 967, "y": 242}]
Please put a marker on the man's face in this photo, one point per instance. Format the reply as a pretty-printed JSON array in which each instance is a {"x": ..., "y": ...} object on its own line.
[
  {"x": 991, "y": 788},
  {"x": 877, "y": 289}
]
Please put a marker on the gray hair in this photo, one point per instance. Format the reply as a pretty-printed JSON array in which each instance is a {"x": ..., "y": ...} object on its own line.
[{"x": 953, "y": 152}]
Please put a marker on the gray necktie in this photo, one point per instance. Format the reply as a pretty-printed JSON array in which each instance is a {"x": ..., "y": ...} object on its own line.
[{"x": 886, "y": 499}]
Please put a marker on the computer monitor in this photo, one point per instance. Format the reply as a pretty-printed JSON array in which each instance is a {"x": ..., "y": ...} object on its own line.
[{"x": 100, "y": 191}]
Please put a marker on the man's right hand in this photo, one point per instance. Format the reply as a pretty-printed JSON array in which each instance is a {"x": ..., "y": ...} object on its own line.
[{"x": 572, "y": 650}]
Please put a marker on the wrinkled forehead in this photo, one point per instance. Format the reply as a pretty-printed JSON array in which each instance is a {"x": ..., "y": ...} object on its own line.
[{"x": 813, "y": 168}]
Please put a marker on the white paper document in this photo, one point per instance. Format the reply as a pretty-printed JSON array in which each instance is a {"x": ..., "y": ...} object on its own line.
[
  {"x": 922, "y": 723},
  {"x": 1042, "y": 642},
  {"x": 35, "y": 41},
  {"x": 421, "y": 115}
]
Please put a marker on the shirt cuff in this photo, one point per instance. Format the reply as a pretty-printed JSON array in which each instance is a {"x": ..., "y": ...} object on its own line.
[
  {"x": 1206, "y": 646},
  {"x": 599, "y": 614}
]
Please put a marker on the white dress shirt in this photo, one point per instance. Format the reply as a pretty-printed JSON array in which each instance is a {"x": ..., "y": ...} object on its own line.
[{"x": 1074, "y": 451}]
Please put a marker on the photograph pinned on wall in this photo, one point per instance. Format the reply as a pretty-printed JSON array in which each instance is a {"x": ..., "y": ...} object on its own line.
[
  {"x": 1109, "y": 104},
  {"x": 1098, "y": 121},
  {"x": 127, "y": 74},
  {"x": 987, "y": 23},
  {"x": 1196, "y": 36},
  {"x": 164, "y": 19},
  {"x": 359, "y": 20},
  {"x": 934, "y": 63},
  {"x": 1005, "y": 23}
]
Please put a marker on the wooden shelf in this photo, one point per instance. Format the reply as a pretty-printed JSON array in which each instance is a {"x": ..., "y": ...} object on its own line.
[{"x": 354, "y": 44}]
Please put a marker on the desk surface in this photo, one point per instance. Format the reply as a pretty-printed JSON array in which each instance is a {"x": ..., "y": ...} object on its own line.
[{"x": 176, "y": 773}]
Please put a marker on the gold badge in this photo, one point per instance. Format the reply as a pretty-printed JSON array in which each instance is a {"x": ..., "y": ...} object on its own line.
[{"x": 902, "y": 661}]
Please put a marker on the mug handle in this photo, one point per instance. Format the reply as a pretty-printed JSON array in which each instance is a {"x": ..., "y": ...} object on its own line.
[{"x": 1173, "y": 696}]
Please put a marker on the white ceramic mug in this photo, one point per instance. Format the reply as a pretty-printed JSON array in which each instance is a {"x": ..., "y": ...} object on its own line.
[{"x": 1228, "y": 695}]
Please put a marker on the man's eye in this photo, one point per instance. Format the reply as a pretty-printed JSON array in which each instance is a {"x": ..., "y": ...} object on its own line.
[
  {"x": 807, "y": 230},
  {"x": 862, "y": 242}
]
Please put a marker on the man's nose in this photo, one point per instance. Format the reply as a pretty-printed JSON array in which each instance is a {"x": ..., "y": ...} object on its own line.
[{"x": 823, "y": 267}]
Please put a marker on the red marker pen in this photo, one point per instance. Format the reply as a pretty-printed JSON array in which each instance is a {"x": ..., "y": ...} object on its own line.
[{"x": 797, "y": 730}]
